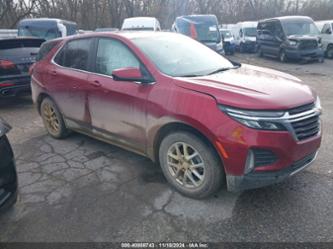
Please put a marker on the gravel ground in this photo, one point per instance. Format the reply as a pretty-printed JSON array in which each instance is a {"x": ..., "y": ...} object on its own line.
[{"x": 80, "y": 189}]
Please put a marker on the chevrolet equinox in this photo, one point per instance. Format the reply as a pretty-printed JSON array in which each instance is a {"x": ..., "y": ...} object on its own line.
[{"x": 207, "y": 121}]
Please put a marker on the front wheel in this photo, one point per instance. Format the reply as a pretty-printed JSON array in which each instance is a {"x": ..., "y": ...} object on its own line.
[
  {"x": 282, "y": 56},
  {"x": 190, "y": 165}
]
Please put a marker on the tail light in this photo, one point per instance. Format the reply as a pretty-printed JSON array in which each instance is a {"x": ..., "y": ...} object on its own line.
[
  {"x": 7, "y": 64},
  {"x": 193, "y": 30}
]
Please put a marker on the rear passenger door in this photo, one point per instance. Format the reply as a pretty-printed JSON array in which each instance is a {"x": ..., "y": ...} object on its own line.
[{"x": 67, "y": 80}]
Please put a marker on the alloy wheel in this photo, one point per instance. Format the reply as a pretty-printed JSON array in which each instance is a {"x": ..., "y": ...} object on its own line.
[
  {"x": 51, "y": 119},
  {"x": 186, "y": 165}
]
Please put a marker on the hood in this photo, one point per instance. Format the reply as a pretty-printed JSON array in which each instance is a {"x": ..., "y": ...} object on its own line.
[
  {"x": 4, "y": 127},
  {"x": 251, "y": 87},
  {"x": 303, "y": 37}
]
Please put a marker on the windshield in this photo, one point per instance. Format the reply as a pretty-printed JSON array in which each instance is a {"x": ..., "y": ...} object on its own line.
[
  {"x": 226, "y": 33},
  {"x": 252, "y": 32},
  {"x": 207, "y": 33},
  {"x": 300, "y": 28},
  {"x": 178, "y": 55},
  {"x": 45, "y": 33}
]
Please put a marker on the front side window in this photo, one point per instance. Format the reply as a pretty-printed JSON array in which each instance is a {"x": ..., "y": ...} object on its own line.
[
  {"x": 75, "y": 54},
  {"x": 178, "y": 55},
  {"x": 112, "y": 55},
  {"x": 326, "y": 29}
]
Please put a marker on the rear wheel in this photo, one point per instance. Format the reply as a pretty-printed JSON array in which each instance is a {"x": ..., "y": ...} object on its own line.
[
  {"x": 282, "y": 56},
  {"x": 190, "y": 165},
  {"x": 52, "y": 119}
]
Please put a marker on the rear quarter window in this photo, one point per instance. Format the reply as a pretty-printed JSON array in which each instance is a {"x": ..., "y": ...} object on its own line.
[
  {"x": 75, "y": 54},
  {"x": 45, "y": 49}
]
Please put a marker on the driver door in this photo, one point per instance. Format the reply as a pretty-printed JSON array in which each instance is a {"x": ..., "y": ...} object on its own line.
[{"x": 117, "y": 108}]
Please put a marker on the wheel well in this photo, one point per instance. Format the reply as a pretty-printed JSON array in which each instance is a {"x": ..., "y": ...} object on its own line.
[
  {"x": 40, "y": 98},
  {"x": 174, "y": 127}
]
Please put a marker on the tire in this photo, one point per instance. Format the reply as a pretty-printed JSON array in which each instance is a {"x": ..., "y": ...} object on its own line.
[
  {"x": 282, "y": 56},
  {"x": 53, "y": 120},
  {"x": 241, "y": 48},
  {"x": 260, "y": 53},
  {"x": 209, "y": 176},
  {"x": 329, "y": 52}
]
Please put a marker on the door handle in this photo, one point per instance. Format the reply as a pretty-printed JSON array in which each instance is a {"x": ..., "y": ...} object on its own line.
[
  {"x": 96, "y": 83},
  {"x": 53, "y": 73}
]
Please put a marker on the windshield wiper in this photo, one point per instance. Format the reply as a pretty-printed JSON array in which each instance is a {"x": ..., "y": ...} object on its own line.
[
  {"x": 190, "y": 75},
  {"x": 224, "y": 69}
]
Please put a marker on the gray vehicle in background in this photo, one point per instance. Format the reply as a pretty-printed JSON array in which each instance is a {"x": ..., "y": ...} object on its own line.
[
  {"x": 203, "y": 28},
  {"x": 289, "y": 37},
  {"x": 46, "y": 28},
  {"x": 16, "y": 57}
]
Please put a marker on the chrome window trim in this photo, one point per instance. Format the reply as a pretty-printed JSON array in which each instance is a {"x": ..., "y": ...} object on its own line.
[{"x": 84, "y": 71}]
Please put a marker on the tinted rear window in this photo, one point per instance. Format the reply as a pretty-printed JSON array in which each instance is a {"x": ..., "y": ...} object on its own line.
[{"x": 20, "y": 43}]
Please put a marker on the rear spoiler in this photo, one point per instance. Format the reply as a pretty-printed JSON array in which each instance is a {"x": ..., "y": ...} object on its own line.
[{"x": 11, "y": 43}]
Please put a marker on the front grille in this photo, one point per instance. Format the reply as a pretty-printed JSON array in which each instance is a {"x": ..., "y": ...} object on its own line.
[
  {"x": 303, "y": 108},
  {"x": 306, "y": 128},
  {"x": 263, "y": 157},
  {"x": 308, "y": 44}
]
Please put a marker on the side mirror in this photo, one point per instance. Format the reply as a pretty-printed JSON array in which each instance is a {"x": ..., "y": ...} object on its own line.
[{"x": 129, "y": 74}]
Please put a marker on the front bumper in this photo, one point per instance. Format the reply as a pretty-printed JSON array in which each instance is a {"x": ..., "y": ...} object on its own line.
[
  {"x": 249, "y": 46},
  {"x": 261, "y": 179},
  {"x": 306, "y": 55}
]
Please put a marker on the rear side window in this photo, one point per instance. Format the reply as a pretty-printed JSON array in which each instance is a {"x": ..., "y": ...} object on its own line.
[
  {"x": 45, "y": 49},
  {"x": 75, "y": 54}
]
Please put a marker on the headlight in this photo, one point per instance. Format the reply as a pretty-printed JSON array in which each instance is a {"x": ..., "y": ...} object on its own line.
[
  {"x": 261, "y": 120},
  {"x": 293, "y": 43}
]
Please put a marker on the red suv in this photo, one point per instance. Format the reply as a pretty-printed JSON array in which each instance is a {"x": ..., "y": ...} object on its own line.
[{"x": 204, "y": 119}]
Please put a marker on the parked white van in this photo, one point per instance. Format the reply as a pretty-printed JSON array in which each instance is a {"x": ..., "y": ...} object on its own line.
[
  {"x": 245, "y": 34},
  {"x": 141, "y": 24},
  {"x": 8, "y": 32},
  {"x": 326, "y": 34}
]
